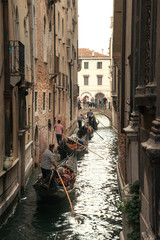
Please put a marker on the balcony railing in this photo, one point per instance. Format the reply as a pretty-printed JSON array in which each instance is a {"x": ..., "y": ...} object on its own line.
[{"x": 16, "y": 55}]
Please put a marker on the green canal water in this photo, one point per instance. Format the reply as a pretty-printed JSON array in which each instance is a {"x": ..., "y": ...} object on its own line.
[{"x": 94, "y": 200}]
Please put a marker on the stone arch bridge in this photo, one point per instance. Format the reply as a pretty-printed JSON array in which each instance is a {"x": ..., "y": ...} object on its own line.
[{"x": 105, "y": 112}]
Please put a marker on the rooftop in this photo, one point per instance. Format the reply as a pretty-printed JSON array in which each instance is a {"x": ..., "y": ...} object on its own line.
[{"x": 86, "y": 52}]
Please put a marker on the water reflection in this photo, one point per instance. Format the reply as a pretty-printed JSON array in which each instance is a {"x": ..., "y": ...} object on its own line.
[{"x": 94, "y": 200}]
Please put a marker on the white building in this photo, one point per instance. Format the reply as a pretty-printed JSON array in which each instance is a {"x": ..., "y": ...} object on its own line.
[{"x": 94, "y": 78}]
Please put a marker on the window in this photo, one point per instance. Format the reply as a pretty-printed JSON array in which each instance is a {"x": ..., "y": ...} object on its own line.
[
  {"x": 29, "y": 116},
  {"x": 99, "y": 65},
  {"x": 45, "y": 41},
  {"x": 50, "y": 48},
  {"x": 85, "y": 80},
  {"x": 67, "y": 84},
  {"x": 29, "y": 122},
  {"x": 26, "y": 43},
  {"x": 36, "y": 99},
  {"x": 99, "y": 80},
  {"x": 62, "y": 27},
  {"x": 68, "y": 3},
  {"x": 49, "y": 101},
  {"x": 34, "y": 32},
  {"x": 58, "y": 22},
  {"x": 17, "y": 24},
  {"x": 86, "y": 65},
  {"x": 44, "y": 101}
]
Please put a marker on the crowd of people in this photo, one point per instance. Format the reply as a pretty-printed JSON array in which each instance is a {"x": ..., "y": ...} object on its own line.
[{"x": 93, "y": 103}]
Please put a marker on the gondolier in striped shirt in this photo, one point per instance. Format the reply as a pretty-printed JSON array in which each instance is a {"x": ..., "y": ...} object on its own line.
[
  {"x": 47, "y": 161},
  {"x": 90, "y": 115}
]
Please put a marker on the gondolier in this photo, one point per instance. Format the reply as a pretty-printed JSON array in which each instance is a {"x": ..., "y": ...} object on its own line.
[
  {"x": 47, "y": 161},
  {"x": 52, "y": 189},
  {"x": 90, "y": 115},
  {"x": 80, "y": 118},
  {"x": 59, "y": 130}
]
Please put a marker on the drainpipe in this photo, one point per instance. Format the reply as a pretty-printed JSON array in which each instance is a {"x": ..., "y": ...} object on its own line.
[
  {"x": 131, "y": 64},
  {"x": 30, "y": 11},
  {"x": 7, "y": 87},
  {"x": 70, "y": 77},
  {"x": 54, "y": 88},
  {"x": 123, "y": 66}
]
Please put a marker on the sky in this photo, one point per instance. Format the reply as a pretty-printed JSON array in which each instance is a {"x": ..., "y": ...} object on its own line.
[{"x": 94, "y": 24}]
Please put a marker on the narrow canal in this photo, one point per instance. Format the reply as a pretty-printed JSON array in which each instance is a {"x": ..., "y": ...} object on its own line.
[{"x": 94, "y": 201}]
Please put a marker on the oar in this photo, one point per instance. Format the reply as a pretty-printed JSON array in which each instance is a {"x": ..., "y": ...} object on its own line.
[
  {"x": 50, "y": 178},
  {"x": 100, "y": 122},
  {"x": 66, "y": 192},
  {"x": 82, "y": 145},
  {"x": 99, "y": 135}
]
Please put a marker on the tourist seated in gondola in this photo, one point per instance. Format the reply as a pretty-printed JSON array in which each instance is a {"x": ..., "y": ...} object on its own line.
[
  {"x": 67, "y": 175},
  {"x": 80, "y": 143},
  {"x": 90, "y": 129}
]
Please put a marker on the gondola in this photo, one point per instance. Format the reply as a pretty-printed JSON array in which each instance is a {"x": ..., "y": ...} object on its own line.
[
  {"x": 85, "y": 132},
  {"x": 67, "y": 146},
  {"x": 94, "y": 123},
  {"x": 51, "y": 189}
]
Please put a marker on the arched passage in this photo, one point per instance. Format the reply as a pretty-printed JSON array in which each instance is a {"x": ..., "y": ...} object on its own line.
[
  {"x": 105, "y": 112},
  {"x": 99, "y": 100},
  {"x": 85, "y": 95},
  {"x": 99, "y": 95}
]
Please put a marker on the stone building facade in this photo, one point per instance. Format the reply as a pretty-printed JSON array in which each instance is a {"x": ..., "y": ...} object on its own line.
[
  {"x": 139, "y": 110},
  {"x": 94, "y": 78},
  {"x": 55, "y": 87},
  {"x": 16, "y": 139},
  {"x": 38, "y": 85}
]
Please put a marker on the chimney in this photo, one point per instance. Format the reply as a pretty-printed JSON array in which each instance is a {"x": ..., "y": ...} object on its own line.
[
  {"x": 102, "y": 50},
  {"x": 92, "y": 53}
]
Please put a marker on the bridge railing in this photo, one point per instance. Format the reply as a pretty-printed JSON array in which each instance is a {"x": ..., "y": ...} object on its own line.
[
  {"x": 105, "y": 112},
  {"x": 87, "y": 105}
]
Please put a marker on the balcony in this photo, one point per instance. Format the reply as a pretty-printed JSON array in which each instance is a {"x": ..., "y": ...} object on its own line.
[
  {"x": 16, "y": 61},
  {"x": 146, "y": 97}
]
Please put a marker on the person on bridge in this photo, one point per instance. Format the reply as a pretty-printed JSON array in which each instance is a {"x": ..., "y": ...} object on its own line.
[
  {"x": 104, "y": 102},
  {"x": 79, "y": 104},
  {"x": 92, "y": 102},
  {"x": 99, "y": 102},
  {"x": 59, "y": 130}
]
